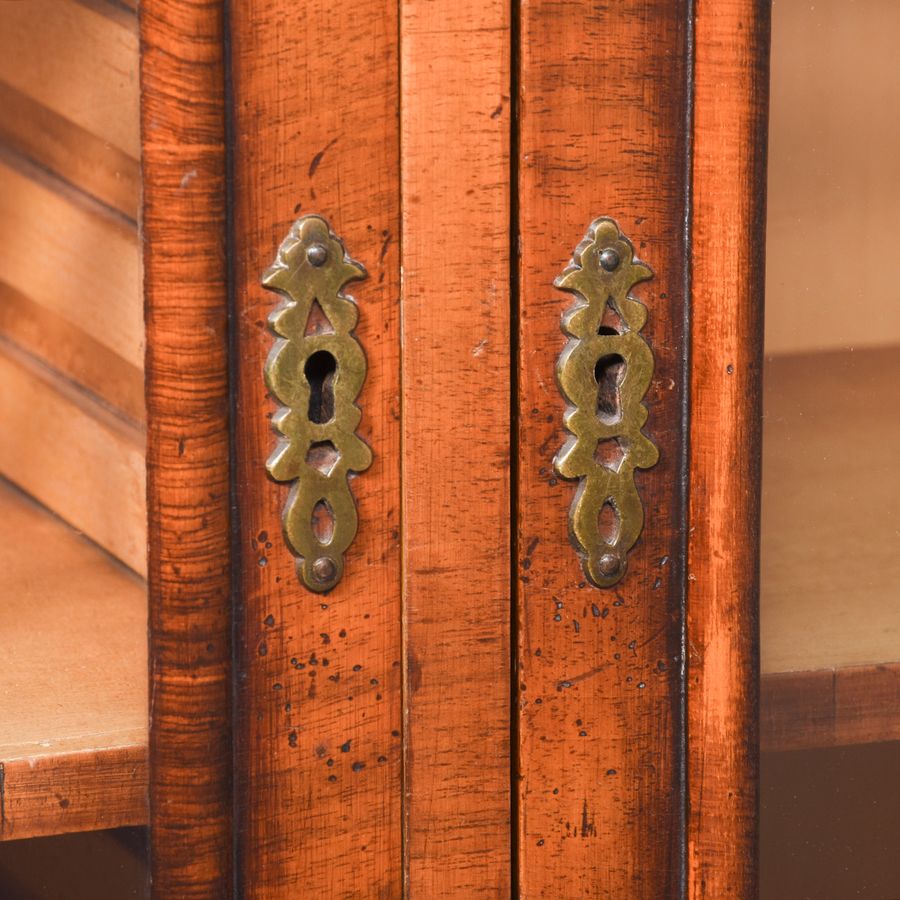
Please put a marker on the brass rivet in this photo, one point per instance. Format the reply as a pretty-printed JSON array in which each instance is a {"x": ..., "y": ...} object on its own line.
[
  {"x": 608, "y": 564},
  {"x": 609, "y": 259},
  {"x": 317, "y": 255},
  {"x": 324, "y": 569}
]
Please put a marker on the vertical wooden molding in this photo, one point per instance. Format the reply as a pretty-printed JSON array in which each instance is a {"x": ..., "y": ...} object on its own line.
[
  {"x": 456, "y": 122},
  {"x": 183, "y": 139},
  {"x": 318, "y": 721},
  {"x": 728, "y": 238},
  {"x": 604, "y": 101}
]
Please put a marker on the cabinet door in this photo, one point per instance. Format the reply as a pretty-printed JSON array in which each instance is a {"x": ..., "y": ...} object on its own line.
[{"x": 469, "y": 706}]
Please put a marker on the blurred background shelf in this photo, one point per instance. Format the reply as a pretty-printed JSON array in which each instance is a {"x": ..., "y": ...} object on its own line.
[
  {"x": 73, "y": 680},
  {"x": 830, "y": 591}
]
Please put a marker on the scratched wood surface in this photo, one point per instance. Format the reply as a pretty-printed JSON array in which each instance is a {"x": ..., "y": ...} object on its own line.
[
  {"x": 603, "y": 105},
  {"x": 456, "y": 446},
  {"x": 187, "y": 447},
  {"x": 319, "y": 715},
  {"x": 728, "y": 210}
]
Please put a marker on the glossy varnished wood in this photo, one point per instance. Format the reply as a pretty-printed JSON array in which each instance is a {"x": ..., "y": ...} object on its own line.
[
  {"x": 603, "y": 108},
  {"x": 728, "y": 238},
  {"x": 319, "y": 723},
  {"x": 183, "y": 132},
  {"x": 456, "y": 117}
]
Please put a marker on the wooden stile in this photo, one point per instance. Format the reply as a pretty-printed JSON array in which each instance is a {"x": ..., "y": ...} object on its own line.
[
  {"x": 315, "y": 90},
  {"x": 188, "y": 473},
  {"x": 456, "y": 122},
  {"x": 728, "y": 227},
  {"x": 604, "y": 93}
]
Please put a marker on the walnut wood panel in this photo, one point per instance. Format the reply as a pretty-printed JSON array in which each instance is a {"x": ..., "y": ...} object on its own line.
[
  {"x": 74, "y": 455},
  {"x": 319, "y": 714},
  {"x": 71, "y": 256},
  {"x": 456, "y": 117},
  {"x": 73, "y": 153},
  {"x": 73, "y": 684},
  {"x": 77, "y": 61},
  {"x": 728, "y": 228},
  {"x": 187, "y": 447},
  {"x": 604, "y": 96}
]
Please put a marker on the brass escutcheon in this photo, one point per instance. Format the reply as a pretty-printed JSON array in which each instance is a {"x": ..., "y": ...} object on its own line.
[
  {"x": 316, "y": 368},
  {"x": 604, "y": 372}
]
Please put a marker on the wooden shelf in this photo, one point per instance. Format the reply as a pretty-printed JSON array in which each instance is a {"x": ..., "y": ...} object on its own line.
[
  {"x": 830, "y": 591},
  {"x": 73, "y": 680}
]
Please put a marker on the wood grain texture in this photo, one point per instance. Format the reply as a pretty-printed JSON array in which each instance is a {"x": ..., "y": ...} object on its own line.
[
  {"x": 456, "y": 444},
  {"x": 74, "y": 455},
  {"x": 74, "y": 154},
  {"x": 60, "y": 793},
  {"x": 603, "y": 105},
  {"x": 87, "y": 67},
  {"x": 830, "y": 707},
  {"x": 183, "y": 134},
  {"x": 728, "y": 212},
  {"x": 73, "y": 685},
  {"x": 319, "y": 714}
]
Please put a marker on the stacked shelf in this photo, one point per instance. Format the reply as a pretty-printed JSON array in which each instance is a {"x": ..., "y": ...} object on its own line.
[
  {"x": 830, "y": 592},
  {"x": 73, "y": 613},
  {"x": 73, "y": 684}
]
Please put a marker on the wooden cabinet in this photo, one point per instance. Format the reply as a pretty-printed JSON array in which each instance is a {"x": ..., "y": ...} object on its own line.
[{"x": 465, "y": 714}]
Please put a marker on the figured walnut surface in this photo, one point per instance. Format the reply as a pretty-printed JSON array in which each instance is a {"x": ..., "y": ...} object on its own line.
[
  {"x": 189, "y": 577},
  {"x": 73, "y": 684},
  {"x": 315, "y": 89},
  {"x": 603, "y": 99}
]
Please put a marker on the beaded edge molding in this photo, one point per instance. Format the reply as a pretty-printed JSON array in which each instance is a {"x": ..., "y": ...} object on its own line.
[
  {"x": 316, "y": 457},
  {"x": 605, "y": 420}
]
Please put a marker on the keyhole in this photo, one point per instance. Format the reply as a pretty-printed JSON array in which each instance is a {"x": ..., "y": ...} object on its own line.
[
  {"x": 610, "y": 373},
  {"x": 319, "y": 371}
]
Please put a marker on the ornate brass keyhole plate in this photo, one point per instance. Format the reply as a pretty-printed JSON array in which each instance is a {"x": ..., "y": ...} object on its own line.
[
  {"x": 604, "y": 372},
  {"x": 316, "y": 368}
]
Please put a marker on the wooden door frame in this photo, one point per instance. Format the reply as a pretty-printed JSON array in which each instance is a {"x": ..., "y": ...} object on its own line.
[
  {"x": 188, "y": 462},
  {"x": 190, "y": 477}
]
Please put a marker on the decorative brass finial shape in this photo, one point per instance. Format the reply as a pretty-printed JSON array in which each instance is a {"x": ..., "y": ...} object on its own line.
[
  {"x": 316, "y": 368},
  {"x": 604, "y": 372}
]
